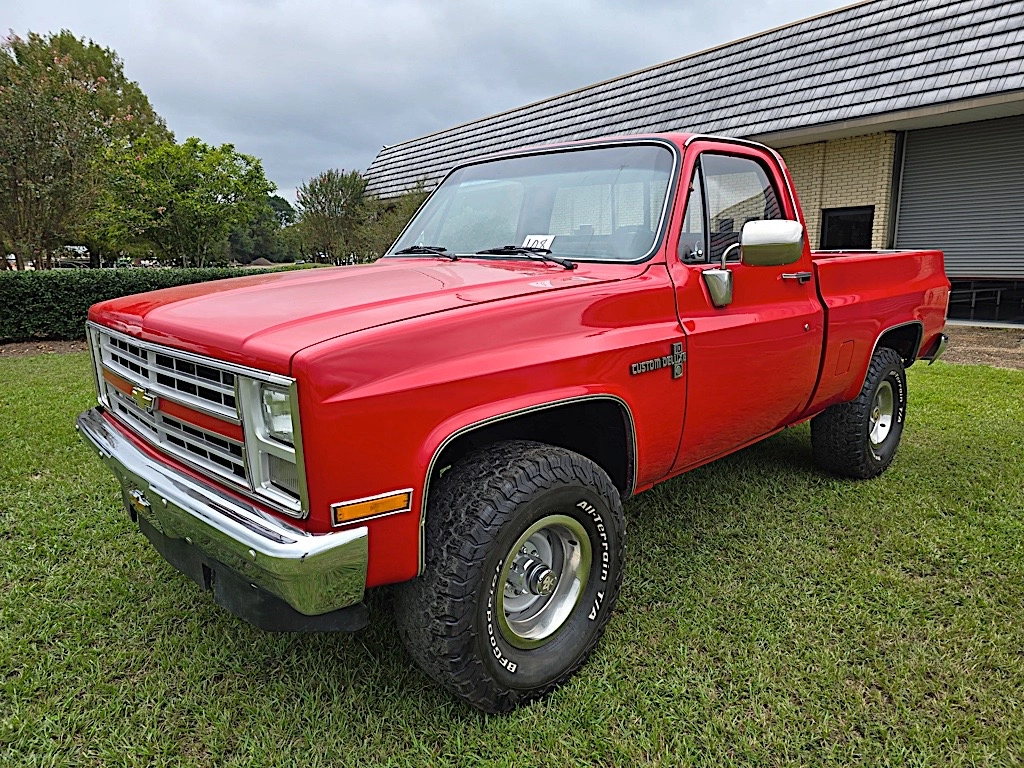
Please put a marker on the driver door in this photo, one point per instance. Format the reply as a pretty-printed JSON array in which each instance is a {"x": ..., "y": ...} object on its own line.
[{"x": 751, "y": 365}]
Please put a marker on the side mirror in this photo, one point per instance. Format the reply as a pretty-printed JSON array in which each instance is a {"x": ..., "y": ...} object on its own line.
[
  {"x": 771, "y": 243},
  {"x": 762, "y": 244},
  {"x": 719, "y": 283}
]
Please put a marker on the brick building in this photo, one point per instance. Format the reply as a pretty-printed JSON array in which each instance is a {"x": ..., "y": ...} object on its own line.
[{"x": 901, "y": 121}]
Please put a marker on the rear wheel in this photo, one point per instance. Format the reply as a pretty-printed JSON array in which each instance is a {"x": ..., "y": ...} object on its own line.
[
  {"x": 524, "y": 548},
  {"x": 859, "y": 439}
]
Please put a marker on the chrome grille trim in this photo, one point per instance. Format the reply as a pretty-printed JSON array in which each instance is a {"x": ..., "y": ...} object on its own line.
[
  {"x": 204, "y": 385},
  {"x": 196, "y": 380},
  {"x": 208, "y": 451},
  {"x": 168, "y": 374},
  {"x": 137, "y": 362}
]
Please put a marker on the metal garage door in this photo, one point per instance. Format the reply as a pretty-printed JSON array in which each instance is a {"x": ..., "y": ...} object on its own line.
[{"x": 963, "y": 192}]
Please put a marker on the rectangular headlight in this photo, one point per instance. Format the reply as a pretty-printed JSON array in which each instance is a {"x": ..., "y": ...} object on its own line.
[
  {"x": 273, "y": 450},
  {"x": 276, "y": 411}
]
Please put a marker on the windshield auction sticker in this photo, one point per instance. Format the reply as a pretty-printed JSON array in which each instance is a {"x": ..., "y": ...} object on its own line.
[{"x": 539, "y": 241}]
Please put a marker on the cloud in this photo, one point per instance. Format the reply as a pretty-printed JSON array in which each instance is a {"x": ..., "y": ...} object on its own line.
[{"x": 315, "y": 84}]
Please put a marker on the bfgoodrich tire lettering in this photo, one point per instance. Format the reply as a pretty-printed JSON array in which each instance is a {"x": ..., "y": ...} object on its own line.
[
  {"x": 859, "y": 439},
  {"x": 523, "y": 567}
]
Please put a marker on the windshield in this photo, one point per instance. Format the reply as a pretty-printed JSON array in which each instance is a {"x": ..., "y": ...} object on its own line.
[{"x": 600, "y": 204}]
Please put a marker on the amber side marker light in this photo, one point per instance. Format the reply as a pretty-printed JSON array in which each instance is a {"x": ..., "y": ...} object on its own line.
[{"x": 372, "y": 506}]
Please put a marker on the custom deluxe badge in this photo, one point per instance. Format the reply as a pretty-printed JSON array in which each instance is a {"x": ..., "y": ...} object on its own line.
[{"x": 674, "y": 361}]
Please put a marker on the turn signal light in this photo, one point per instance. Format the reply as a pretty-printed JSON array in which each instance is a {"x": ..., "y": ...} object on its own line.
[{"x": 375, "y": 506}]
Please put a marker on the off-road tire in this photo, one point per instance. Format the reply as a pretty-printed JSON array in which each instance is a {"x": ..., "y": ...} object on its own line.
[
  {"x": 478, "y": 510},
  {"x": 841, "y": 439}
]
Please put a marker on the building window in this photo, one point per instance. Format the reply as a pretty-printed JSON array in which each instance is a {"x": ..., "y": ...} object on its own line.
[{"x": 847, "y": 229}]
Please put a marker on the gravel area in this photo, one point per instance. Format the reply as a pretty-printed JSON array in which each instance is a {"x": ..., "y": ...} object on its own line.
[{"x": 998, "y": 347}]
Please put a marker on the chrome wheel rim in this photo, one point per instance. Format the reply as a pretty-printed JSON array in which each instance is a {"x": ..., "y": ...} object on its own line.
[
  {"x": 543, "y": 579},
  {"x": 882, "y": 410}
]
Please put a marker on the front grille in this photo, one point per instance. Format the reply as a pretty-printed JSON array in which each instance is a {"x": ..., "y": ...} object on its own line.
[
  {"x": 164, "y": 373},
  {"x": 215, "y": 453},
  {"x": 186, "y": 405},
  {"x": 201, "y": 386}
]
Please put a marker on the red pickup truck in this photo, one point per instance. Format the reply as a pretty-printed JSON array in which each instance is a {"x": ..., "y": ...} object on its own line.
[{"x": 556, "y": 330}]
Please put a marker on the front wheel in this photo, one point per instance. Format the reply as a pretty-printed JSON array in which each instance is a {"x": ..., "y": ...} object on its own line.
[
  {"x": 523, "y": 567},
  {"x": 859, "y": 439}
]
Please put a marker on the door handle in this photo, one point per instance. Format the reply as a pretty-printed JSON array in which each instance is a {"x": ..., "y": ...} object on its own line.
[{"x": 800, "y": 277}]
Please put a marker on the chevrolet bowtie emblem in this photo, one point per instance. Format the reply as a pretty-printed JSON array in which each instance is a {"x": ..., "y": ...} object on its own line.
[
  {"x": 143, "y": 399},
  {"x": 674, "y": 361}
]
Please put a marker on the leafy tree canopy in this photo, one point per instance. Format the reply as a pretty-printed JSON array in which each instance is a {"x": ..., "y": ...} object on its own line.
[
  {"x": 63, "y": 100},
  {"x": 265, "y": 234},
  {"x": 283, "y": 210},
  {"x": 340, "y": 223},
  {"x": 184, "y": 199},
  {"x": 330, "y": 205},
  {"x": 50, "y": 134},
  {"x": 98, "y": 70},
  {"x": 383, "y": 220}
]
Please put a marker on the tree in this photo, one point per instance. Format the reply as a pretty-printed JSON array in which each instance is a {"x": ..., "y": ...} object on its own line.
[
  {"x": 290, "y": 242},
  {"x": 382, "y": 221},
  {"x": 49, "y": 137},
  {"x": 62, "y": 100},
  {"x": 184, "y": 199},
  {"x": 283, "y": 210},
  {"x": 262, "y": 236},
  {"x": 114, "y": 97},
  {"x": 330, "y": 205}
]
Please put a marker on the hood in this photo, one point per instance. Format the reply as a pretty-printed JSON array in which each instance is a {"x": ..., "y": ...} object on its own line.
[{"x": 263, "y": 320}]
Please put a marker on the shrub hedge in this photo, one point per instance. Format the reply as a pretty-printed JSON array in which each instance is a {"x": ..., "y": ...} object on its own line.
[{"x": 54, "y": 304}]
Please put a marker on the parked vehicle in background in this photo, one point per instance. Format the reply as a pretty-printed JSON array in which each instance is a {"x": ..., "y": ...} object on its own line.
[{"x": 556, "y": 330}]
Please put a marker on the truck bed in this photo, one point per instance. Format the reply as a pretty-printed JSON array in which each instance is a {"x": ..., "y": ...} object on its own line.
[{"x": 856, "y": 289}]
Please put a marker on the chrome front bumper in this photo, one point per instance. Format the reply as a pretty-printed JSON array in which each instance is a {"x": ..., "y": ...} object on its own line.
[{"x": 312, "y": 574}]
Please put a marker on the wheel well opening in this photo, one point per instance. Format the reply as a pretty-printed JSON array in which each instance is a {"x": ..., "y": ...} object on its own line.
[
  {"x": 599, "y": 429},
  {"x": 905, "y": 340}
]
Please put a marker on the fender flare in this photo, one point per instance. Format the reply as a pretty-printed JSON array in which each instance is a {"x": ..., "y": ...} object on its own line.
[{"x": 515, "y": 413}]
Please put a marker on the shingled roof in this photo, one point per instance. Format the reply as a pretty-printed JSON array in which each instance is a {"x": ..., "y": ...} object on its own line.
[{"x": 860, "y": 61}]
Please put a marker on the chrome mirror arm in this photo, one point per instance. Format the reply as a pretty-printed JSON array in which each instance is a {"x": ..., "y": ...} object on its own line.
[{"x": 727, "y": 251}]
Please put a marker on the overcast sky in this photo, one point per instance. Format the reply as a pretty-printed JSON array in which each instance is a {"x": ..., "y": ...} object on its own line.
[{"x": 314, "y": 84}]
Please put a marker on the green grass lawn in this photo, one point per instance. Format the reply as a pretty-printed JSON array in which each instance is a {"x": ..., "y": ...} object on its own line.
[{"x": 770, "y": 615}]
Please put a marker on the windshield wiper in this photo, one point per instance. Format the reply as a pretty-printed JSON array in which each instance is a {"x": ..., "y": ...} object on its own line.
[
  {"x": 433, "y": 250},
  {"x": 542, "y": 254}
]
